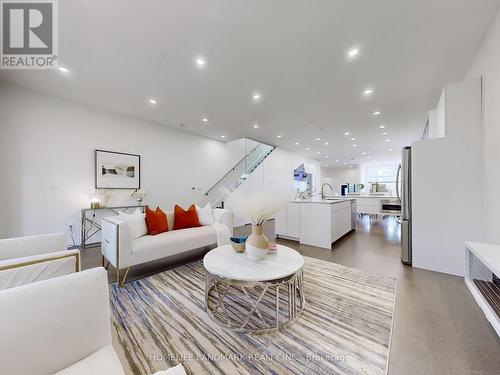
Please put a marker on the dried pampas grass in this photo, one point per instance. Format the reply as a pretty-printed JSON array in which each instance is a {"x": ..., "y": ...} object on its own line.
[{"x": 257, "y": 206}]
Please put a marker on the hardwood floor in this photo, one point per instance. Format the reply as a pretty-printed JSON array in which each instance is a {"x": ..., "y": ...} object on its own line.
[{"x": 438, "y": 328}]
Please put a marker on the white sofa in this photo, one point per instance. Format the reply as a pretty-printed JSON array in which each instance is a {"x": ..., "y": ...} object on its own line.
[
  {"x": 24, "y": 260},
  {"x": 61, "y": 325},
  {"x": 123, "y": 251}
]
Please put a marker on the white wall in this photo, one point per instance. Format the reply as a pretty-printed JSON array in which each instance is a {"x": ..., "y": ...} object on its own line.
[
  {"x": 446, "y": 184},
  {"x": 276, "y": 173},
  {"x": 487, "y": 64},
  {"x": 437, "y": 128},
  {"x": 47, "y": 154},
  {"x": 339, "y": 176}
]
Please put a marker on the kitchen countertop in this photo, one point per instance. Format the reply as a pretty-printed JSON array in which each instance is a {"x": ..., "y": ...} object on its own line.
[{"x": 323, "y": 201}]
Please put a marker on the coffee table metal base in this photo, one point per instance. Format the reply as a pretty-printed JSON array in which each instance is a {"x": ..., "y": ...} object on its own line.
[{"x": 261, "y": 306}]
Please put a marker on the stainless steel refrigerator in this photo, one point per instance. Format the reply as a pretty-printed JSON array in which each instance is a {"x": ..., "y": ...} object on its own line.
[{"x": 404, "y": 196}]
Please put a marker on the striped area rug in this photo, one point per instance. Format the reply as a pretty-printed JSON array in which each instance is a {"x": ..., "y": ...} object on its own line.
[{"x": 346, "y": 326}]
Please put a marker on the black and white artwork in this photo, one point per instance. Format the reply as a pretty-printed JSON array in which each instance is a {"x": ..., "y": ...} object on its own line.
[{"x": 117, "y": 170}]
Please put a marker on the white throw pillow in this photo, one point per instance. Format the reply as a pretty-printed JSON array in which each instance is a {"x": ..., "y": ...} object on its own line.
[
  {"x": 176, "y": 370},
  {"x": 136, "y": 223},
  {"x": 205, "y": 215}
]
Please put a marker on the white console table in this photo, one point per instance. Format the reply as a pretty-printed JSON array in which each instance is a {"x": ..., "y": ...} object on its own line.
[{"x": 482, "y": 277}]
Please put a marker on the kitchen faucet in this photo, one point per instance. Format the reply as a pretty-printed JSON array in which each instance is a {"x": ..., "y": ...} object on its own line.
[{"x": 322, "y": 190}]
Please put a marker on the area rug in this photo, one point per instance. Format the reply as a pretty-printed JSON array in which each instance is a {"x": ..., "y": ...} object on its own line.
[{"x": 345, "y": 328}]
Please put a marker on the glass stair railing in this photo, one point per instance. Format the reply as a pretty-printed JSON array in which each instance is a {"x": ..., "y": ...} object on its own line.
[{"x": 238, "y": 174}]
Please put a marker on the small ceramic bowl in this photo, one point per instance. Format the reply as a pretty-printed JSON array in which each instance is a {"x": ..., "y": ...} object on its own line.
[{"x": 238, "y": 244}]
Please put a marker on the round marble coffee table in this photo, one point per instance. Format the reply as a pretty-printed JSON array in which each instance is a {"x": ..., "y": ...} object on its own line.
[{"x": 251, "y": 296}]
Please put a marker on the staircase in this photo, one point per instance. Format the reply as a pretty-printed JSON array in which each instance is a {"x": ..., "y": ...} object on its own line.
[{"x": 238, "y": 174}]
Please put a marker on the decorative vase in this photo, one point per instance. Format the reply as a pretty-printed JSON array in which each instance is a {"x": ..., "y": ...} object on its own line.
[{"x": 257, "y": 244}]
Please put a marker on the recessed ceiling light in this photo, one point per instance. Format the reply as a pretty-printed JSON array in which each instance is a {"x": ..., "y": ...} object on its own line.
[
  {"x": 368, "y": 92},
  {"x": 326, "y": 143},
  {"x": 223, "y": 136},
  {"x": 200, "y": 62},
  {"x": 204, "y": 119},
  {"x": 152, "y": 101},
  {"x": 345, "y": 163},
  {"x": 337, "y": 160},
  {"x": 347, "y": 133},
  {"x": 354, "y": 145},
  {"x": 256, "y": 126},
  {"x": 376, "y": 113},
  {"x": 308, "y": 148},
  {"x": 350, "y": 166},
  {"x": 385, "y": 133},
  {"x": 317, "y": 153},
  {"x": 256, "y": 96},
  {"x": 381, "y": 127},
  {"x": 353, "y": 139},
  {"x": 279, "y": 136},
  {"x": 363, "y": 153},
  {"x": 326, "y": 156},
  {"x": 387, "y": 140},
  {"x": 296, "y": 143},
  {"x": 63, "y": 69},
  {"x": 353, "y": 52},
  {"x": 391, "y": 149},
  {"x": 318, "y": 139}
]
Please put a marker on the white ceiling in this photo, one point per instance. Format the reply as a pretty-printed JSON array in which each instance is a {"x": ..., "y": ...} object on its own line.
[{"x": 293, "y": 52}]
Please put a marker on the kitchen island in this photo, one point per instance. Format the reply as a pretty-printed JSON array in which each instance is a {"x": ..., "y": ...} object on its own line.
[{"x": 316, "y": 222}]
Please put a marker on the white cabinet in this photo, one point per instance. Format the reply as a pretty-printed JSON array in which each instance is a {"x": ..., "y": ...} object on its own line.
[
  {"x": 316, "y": 223},
  {"x": 293, "y": 220},
  {"x": 287, "y": 221},
  {"x": 482, "y": 266},
  {"x": 280, "y": 220},
  {"x": 368, "y": 205},
  {"x": 341, "y": 220}
]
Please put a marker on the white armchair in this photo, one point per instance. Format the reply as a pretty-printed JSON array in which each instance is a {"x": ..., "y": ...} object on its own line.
[
  {"x": 58, "y": 326},
  {"x": 24, "y": 260}
]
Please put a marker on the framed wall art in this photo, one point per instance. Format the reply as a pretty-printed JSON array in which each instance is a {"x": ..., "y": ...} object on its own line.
[{"x": 117, "y": 170}]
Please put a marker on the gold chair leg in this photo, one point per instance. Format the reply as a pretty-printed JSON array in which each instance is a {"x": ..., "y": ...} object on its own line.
[{"x": 122, "y": 283}]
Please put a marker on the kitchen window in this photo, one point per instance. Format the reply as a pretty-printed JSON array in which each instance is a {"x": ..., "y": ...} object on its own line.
[{"x": 383, "y": 174}]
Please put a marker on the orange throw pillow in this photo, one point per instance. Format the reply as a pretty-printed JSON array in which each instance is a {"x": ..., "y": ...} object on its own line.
[
  {"x": 156, "y": 221},
  {"x": 185, "y": 219}
]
